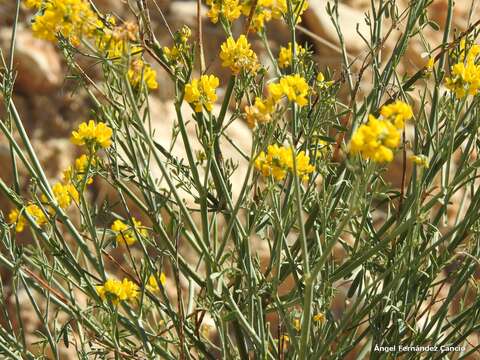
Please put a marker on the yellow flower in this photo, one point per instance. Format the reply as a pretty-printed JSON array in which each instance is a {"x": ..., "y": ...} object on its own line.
[
  {"x": 139, "y": 71},
  {"x": 465, "y": 75},
  {"x": 80, "y": 169},
  {"x": 397, "y": 113},
  {"x": 72, "y": 19},
  {"x": 152, "y": 285},
  {"x": 420, "y": 160},
  {"x": 37, "y": 214},
  {"x": 375, "y": 140},
  {"x": 321, "y": 81},
  {"x": 278, "y": 162},
  {"x": 172, "y": 54},
  {"x": 267, "y": 10},
  {"x": 91, "y": 134},
  {"x": 19, "y": 221},
  {"x": 284, "y": 341},
  {"x": 230, "y": 9},
  {"x": 184, "y": 34},
  {"x": 297, "y": 324},
  {"x": 302, "y": 162},
  {"x": 181, "y": 47},
  {"x": 65, "y": 194},
  {"x": 125, "y": 234},
  {"x": 264, "y": 12},
  {"x": 237, "y": 55},
  {"x": 294, "y": 87},
  {"x": 430, "y": 64},
  {"x": 201, "y": 92},
  {"x": 319, "y": 317},
  {"x": 285, "y": 56},
  {"x": 116, "y": 290},
  {"x": 260, "y": 112},
  {"x": 117, "y": 42}
]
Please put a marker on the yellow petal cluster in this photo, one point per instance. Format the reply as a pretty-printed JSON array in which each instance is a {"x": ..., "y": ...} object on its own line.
[
  {"x": 260, "y": 112},
  {"x": 72, "y": 19},
  {"x": 116, "y": 290},
  {"x": 319, "y": 317},
  {"x": 117, "y": 41},
  {"x": 229, "y": 9},
  {"x": 33, "y": 210},
  {"x": 398, "y": 113},
  {"x": 321, "y": 83},
  {"x": 181, "y": 47},
  {"x": 139, "y": 71},
  {"x": 237, "y": 55},
  {"x": 125, "y": 234},
  {"x": 65, "y": 194},
  {"x": 14, "y": 218},
  {"x": 201, "y": 92},
  {"x": 294, "y": 87},
  {"x": 286, "y": 54},
  {"x": 152, "y": 285},
  {"x": 465, "y": 75},
  {"x": 267, "y": 10},
  {"x": 79, "y": 170},
  {"x": 375, "y": 140},
  {"x": 278, "y": 162},
  {"x": 96, "y": 135}
]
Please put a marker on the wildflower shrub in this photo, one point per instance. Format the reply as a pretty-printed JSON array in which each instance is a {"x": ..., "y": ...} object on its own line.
[{"x": 170, "y": 270}]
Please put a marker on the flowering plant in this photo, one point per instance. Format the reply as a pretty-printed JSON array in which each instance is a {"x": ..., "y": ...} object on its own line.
[{"x": 302, "y": 245}]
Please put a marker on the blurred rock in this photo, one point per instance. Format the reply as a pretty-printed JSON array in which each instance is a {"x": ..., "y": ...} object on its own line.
[
  {"x": 37, "y": 64},
  {"x": 317, "y": 20}
]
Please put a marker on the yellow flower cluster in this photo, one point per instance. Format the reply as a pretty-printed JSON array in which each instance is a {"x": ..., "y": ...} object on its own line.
[
  {"x": 33, "y": 210},
  {"x": 294, "y": 87},
  {"x": 397, "y": 113},
  {"x": 152, "y": 285},
  {"x": 92, "y": 135},
  {"x": 125, "y": 234},
  {"x": 139, "y": 73},
  {"x": 267, "y": 10},
  {"x": 286, "y": 54},
  {"x": 229, "y": 9},
  {"x": 319, "y": 317},
  {"x": 260, "y": 112},
  {"x": 116, "y": 42},
  {"x": 181, "y": 47},
  {"x": 116, "y": 290},
  {"x": 375, "y": 140},
  {"x": 321, "y": 83},
  {"x": 378, "y": 139},
  {"x": 465, "y": 75},
  {"x": 64, "y": 194},
  {"x": 279, "y": 161},
  {"x": 237, "y": 55},
  {"x": 201, "y": 92},
  {"x": 72, "y": 19},
  {"x": 78, "y": 172}
]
